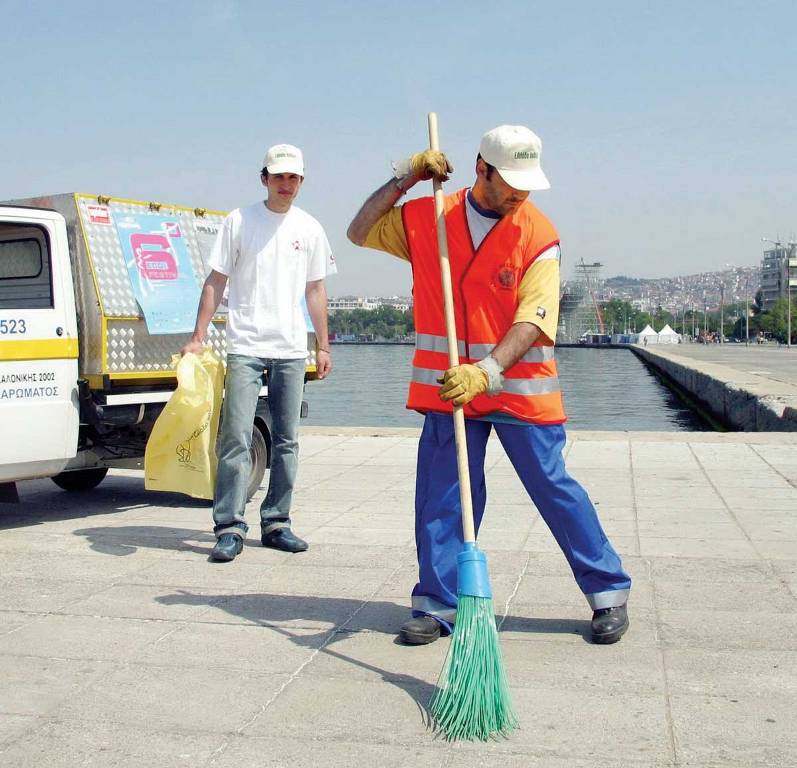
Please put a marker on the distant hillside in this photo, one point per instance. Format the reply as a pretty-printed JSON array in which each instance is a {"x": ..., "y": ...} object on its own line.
[
  {"x": 621, "y": 280},
  {"x": 723, "y": 274},
  {"x": 700, "y": 289}
]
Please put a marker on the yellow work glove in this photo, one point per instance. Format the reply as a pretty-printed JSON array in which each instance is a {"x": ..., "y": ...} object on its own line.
[
  {"x": 430, "y": 164},
  {"x": 462, "y": 383},
  {"x": 424, "y": 165}
]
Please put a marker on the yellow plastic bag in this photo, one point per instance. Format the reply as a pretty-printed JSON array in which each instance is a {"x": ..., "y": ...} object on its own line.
[{"x": 181, "y": 451}]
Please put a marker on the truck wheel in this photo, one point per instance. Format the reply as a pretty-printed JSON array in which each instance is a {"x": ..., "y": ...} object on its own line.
[
  {"x": 258, "y": 453},
  {"x": 80, "y": 479}
]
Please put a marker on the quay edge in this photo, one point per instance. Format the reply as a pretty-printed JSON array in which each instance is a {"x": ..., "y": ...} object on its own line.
[{"x": 750, "y": 401}]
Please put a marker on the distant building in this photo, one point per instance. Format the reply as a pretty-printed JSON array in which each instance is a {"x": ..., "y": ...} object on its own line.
[
  {"x": 778, "y": 270},
  {"x": 350, "y": 303},
  {"x": 771, "y": 276},
  {"x": 401, "y": 303}
]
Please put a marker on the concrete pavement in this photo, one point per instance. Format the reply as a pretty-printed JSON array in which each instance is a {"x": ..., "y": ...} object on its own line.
[
  {"x": 122, "y": 645},
  {"x": 776, "y": 363}
]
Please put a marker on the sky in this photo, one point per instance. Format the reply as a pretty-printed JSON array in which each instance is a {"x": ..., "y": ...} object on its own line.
[{"x": 669, "y": 130}]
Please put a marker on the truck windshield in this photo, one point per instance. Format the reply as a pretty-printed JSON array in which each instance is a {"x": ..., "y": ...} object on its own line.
[{"x": 24, "y": 267}]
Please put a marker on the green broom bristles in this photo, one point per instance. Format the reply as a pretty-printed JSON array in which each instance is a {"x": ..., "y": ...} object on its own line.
[{"x": 473, "y": 700}]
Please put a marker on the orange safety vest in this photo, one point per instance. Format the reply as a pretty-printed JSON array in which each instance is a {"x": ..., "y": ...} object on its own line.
[{"x": 485, "y": 285}]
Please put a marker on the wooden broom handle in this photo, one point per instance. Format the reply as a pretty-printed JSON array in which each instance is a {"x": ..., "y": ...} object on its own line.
[{"x": 451, "y": 335}]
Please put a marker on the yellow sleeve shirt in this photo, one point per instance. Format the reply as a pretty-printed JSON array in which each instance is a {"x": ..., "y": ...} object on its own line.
[
  {"x": 538, "y": 292},
  {"x": 388, "y": 235}
]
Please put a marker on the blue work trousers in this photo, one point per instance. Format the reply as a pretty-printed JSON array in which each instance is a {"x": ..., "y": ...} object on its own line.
[
  {"x": 536, "y": 455},
  {"x": 242, "y": 386}
]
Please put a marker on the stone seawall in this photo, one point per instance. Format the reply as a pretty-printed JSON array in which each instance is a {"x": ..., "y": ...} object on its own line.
[{"x": 741, "y": 399}]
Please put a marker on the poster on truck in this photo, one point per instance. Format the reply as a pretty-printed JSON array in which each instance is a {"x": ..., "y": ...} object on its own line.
[{"x": 160, "y": 271}]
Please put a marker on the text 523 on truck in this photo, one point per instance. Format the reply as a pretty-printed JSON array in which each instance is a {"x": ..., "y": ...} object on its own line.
[{"x": 84, "y": 369}]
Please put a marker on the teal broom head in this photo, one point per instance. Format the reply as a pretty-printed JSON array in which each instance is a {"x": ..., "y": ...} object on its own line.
[{"x": 472, "y": 699}]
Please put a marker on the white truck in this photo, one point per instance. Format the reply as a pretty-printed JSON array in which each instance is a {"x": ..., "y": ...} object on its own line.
[{"x": 84, "y": 370}]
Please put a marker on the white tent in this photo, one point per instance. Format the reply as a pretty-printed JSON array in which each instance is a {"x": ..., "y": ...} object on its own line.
[
  {"x": 647, "y": 336},
  {"x": 668, "y": 336}
]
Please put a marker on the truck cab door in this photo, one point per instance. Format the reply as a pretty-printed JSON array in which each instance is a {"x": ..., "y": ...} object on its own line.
[{"x": 39, "y": 407}]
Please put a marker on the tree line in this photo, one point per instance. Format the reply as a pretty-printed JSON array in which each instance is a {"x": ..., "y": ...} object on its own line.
[
  {"x": 619, "y": 316},
  {"x": 384, "y": 323}
]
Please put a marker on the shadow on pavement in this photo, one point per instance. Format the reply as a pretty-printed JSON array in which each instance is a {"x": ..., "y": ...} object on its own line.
[
  {"x": 531, "y": 625},
  {"x": 41, "y": 501},
  {"x": 272, "y": 611},
  {"x": 127, "y": 539},
  {"x": 346, "y": 617}
]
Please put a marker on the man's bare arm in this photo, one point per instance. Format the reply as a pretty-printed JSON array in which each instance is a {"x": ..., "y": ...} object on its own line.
[
  {"x": 209, "y": 300},
  {"x": 421, "y": 166},
  {"x": 376, "y": 206},
  {"x": 515, "y": 344},
  {"x": 315, "y": 293}
]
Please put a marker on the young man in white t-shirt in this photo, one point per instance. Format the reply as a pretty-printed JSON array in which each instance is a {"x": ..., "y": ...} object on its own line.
[{"x": 273, "y": 255}]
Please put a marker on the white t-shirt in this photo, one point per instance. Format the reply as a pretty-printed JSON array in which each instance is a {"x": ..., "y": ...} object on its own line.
[
  {"x": 269, "y": 258},
  {"x": 480, "y": 221}
]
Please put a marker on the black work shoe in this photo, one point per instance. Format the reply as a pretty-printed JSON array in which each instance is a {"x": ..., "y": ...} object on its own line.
[
  {"x": 284, "y": 539},
  {"x": 419, "y": 630},
  {"x": 227, "y": 547},
  {"x": 609, "y": 624}
]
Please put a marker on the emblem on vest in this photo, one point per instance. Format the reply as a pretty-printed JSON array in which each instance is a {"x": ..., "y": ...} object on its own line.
[
  {"x": 296, "y": 245},
  {"x": 506, "y": 277},
  {"x": 541, "y": 312}
]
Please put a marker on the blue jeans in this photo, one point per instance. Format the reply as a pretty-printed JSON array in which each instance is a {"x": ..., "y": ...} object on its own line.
[
  {"x": 242, "y": 385},
  {"x": 536, "y": 455}
]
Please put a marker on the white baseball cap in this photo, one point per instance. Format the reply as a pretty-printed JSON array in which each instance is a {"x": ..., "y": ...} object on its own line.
[
  {"x": 284, "y": 158},
  {"x": 515, "y": 152}
]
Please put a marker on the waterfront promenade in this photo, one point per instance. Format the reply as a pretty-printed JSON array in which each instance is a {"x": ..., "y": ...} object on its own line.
[
  {"x": 752, "y": 388},
  {"x": 122, "y": 645}
]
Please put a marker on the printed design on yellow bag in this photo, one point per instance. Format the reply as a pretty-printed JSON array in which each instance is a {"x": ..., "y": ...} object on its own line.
[{"x": 184, "y": 449}]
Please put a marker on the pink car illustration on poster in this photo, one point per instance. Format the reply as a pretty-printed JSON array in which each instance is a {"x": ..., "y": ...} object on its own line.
[{"x": 154, "y": 256}]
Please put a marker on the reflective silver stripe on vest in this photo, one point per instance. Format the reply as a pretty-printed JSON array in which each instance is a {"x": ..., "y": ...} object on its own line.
[
  {"x": 534, "y": 355},
  {"x": 511, "y": 386},
  {"x": 426, "y": 376},
  {"x": 531, "y": 386},
  {"x": 430, "y": 343}
]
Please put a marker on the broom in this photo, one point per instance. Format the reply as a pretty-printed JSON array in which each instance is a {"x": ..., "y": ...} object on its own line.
[{"x": 472, "y": 698}]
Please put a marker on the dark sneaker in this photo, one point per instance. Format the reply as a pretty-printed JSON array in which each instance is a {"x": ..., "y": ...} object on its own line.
[
  {"x": 227, "y": 547},
  {"x": 419, "y": 630},
  {"x": 284, "y": 539},
  {"x": 609, "y": 624}
]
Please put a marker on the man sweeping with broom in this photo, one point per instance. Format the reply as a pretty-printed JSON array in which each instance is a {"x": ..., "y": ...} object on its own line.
[{"x": 504, "y": 263}]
